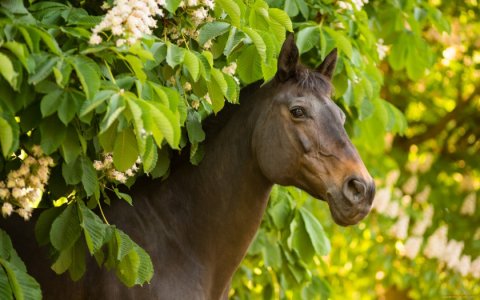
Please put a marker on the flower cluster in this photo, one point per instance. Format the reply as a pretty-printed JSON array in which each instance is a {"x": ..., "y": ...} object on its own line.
[
  {"x": 129, "y": 20},
  {"x": 106, "y": 166},
  {"x": 393, "y": 202},
  {"x": 23, "y": 188},
  {"x": 197, "y": 12}
]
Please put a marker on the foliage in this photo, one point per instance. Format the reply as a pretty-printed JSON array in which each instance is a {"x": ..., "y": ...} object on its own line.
[
  {"x": 421, "y": 240},
  {"x": 89, "y": 113}
]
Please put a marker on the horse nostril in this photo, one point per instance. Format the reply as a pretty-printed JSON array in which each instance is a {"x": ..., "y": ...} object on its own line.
[{"x": 355, "y": 190}]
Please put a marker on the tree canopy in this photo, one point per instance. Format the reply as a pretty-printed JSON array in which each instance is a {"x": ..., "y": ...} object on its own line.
[{"x": 95, "y": 94}]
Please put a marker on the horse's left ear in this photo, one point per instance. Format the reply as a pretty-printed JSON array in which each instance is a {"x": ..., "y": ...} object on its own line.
[
  {"x": 328, "y": 65},
  {"x": 288, "y": 59}
]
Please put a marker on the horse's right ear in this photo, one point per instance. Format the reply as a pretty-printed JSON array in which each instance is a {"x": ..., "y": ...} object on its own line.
[{"x": 288, "y": 59}]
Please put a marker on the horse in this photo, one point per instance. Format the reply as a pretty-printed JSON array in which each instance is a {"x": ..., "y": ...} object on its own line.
[{"x": 198, "y": 223}]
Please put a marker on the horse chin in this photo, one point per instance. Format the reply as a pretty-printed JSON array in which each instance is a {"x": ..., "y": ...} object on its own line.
[{"x": 338, "y": 211}]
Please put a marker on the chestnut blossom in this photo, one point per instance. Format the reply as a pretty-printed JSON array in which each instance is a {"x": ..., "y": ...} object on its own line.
[
  {"x": 423, "y": 195},
  {"x": 23, "y": 188},
  {"x": 463, "y": 265},
  {"x": 7, "y": 209},
  {"x": 422, "y": 224},
  {"x": 468, "y": 206},
  {"x": 129, "y": 20},
  {"x": 410, "y": 186},
  {"x": 475, "y": 268},
  {"x": 382, "y": 199},
  {"x": 452, "y": 252},
  {"x": 400, "y": 229},
  {"x": 436, "y": 243},
  {"x": 412, "y": 246}
]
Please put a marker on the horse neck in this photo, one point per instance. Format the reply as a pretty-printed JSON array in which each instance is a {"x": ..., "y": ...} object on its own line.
[{"x": 230, "y": 196}]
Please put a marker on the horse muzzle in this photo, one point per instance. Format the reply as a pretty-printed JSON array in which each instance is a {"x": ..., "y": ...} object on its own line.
[{"x": 352, "y": 202}]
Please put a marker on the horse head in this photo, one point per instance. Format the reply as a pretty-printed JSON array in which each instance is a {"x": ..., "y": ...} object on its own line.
[{"x": 300, "y": 139}]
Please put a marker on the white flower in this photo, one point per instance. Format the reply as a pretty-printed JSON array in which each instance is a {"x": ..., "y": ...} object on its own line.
[
  {"x": 209, "y": 3},
  {"x": 392, "y": 177},
  {"x": 424, "y": 194},
  {"x": 4, "y": 193},
  {"x": 475, "y": 268},
  {"x": 463, "y": 266},
  {"x": 410, "y": 186},
  {"x": 452, "y": 252},
  {"x": 95, "y": 39},
  {"x": 37, "y": 151},
  {"x": 392, "y": 210},
  {"x": 97, "y": 165},
  {"x": 230, "y": 69},
  {"x": 468, "y": 206},
  {"x": 412, "y": 246},
  {"x": 381, "y": 49},
  {"x": 7, "y": 209},
  {"x": 25, "y": 214},
  {"x": 382, "y": 199},
  {"x": 422, "y": 225},
  {"x": 400, "y": 229},
  {"x": 436, "y": 243}
]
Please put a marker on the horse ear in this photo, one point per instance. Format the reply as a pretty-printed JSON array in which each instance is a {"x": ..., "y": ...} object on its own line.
[
  {"x": 328, "y": 65},
  {"x": 288, "y": 59}
]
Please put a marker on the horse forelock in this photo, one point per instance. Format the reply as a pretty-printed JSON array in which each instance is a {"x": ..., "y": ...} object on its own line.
[{"x": 308, "y": 80}]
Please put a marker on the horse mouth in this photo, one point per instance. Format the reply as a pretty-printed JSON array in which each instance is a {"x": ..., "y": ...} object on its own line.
[{"x": 345, "y": 215}]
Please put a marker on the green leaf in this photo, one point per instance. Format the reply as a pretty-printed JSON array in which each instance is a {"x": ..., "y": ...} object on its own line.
[
  {"x": 63, "y": 261},
  {"x": 65, "y": 229},
  {"x": 127, "y": 269},
  {"x": 137, "y": 65},
  {"x": 212, "y": 30},
  {"x": 107, "y": 138},
  {"x": 21, "y": 52},
  {"x": 5, "y": 290},
  {"x": 71, "y": 147},
  {"x": 192, "y": 64},
  {"x": 125, "y": 150},
  {"x": 235, "y": 37},
  {"x": 93, "y": 228},
  {"x": 281, "y": 17},
  {"x": 123, "y": 196},
  {"x": 89, "y": 177},
  {"x": 24, "y": 286},
  {"x": 69, "y": 106},
  {"x": 72, "y": 172},
  {"x": 7, "y": 71},
  {"x": 88, "y": 73},
  {"x": 50, "y": 102},
  {"x": 217, "y": 76},
  {"x": 175, "y": 55},
  {"x": 44, "y": 225},
  {"x": 150, "y": 156},
  {"x": 317, "y": 235},
  {"x": 53, "y": 133},
  {"x": 77, "y": 267},
  {"x": 172, "y": 5},
  {"x": 6, "y": 137},
  {"x": 162, "y": 165},
  {"x": 194, "y": 127},
  {"x": 299, "y": 240},
  {"x": 125, "y": 244},
  {"x": 43, "y": 70},
  {"x": 115, "y": 107},
  {"x": 307, "y": 38},
  {"x": 232, "y": 9},
  {"x": 341, "y": 41},
  {"x": 249, "y": 65},
  {"x": 258, "y": 42},
  {"x": 97, "y": 100}
]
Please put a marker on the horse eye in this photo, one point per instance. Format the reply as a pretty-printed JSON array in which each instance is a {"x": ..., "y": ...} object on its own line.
[{"x": 297, "y": 112}]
